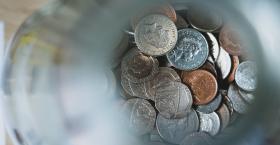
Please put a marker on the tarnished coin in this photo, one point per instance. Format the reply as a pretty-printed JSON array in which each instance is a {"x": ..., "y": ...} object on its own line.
[
  {"x": 181, "y": 23},
  {"x": 156, "y": 35},
  {"x": 246, "y": 76},
  {"x": 247, "y": 96},
  {"x": 204, "y": 19},
  {"x": 224, "y": 114},
  {"x": 209, "y": 123},
  {"x": 208, "y": 66},
  {"x": 235, "y": 63},
  {"x": 174, "y": 130},
  {"x": 198, "y": 138},
  {"x": 214, "y": 48},
  {"x": 224, "y": 63},
  {"x": 203, "y": 84},
  {"x": 140, "y": 116},
  {"x": 138, "y": 67},
  {"x": 239, "y": 105},
  {"x": 210, "y": 107},
  {"x": 230, "y": 40},
  {"x": 191, "y": 50},
  {"x": 173, "y": 99}
]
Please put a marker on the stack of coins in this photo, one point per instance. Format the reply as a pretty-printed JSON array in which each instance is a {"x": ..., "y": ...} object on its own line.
[{"x": 184, "y": 77}]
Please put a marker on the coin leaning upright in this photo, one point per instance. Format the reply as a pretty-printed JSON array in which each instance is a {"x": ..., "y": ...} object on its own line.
[{"x": 156, "y": 35}]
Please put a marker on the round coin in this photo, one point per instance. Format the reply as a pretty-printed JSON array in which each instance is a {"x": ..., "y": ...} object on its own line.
[
  {"x": 224, "y": 63},
  {"x": 141, "y": 116},
  {"x": 235, "y": 63},
  {"x": 208, "y": 66},
  {"x": 156, "y": 35},
  {"x": 214, "y": 48},
  {"x": 181, "y": 23},
  {"x": 248, "y": 97},
  {"x": 174, "y": 130},
  {"x": 210, "y": 107},
  {"x": 246, "y": 76},
  {"x": 203, "y": 84},
  {"x": 198, "y": 138},
  {"x": 239, "y": 105},
  {"x": 224, "y": 114},
  {"x": 191, "y": 50},
  {"x": 173, "y": 99},
  {"x": 209, "y": 123}
]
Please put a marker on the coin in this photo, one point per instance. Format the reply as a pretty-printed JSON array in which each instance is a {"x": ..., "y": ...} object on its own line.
[
  {"x": 198, "y": 138},
  {"x": 191, "y": 50},
  {"x": 230, "y": 40},
  {"x": 156, "y": 35},
  {"x": 209, "y": 123},
  {"x": 212, "y": 106},
  {"x": 214, "y": 48},
  {"x": 209, "y": 67},
  {"x": 246, "y": 76},
  {"x": 181, "y": 23},
  {"x": 204, "y": 19},
  {"x": 174, "y": 130},
  {"x": 166, "y": 74},
  {"x": 203, "y": 84},
  {"x": 154, "y": 136},
  {"x": 125, "y": 95},
  {"x": 138, "y": 67},
  {"x": 224, "y": 63},
  {"x": 224, "y": 115},
  {"x": 141, "y": 116},
  {"x": 173, "y": 99},
  {"x": 235, "y": 63},
  {"x": 247, "y": 96},
  {"x": 239, "y": 105}
]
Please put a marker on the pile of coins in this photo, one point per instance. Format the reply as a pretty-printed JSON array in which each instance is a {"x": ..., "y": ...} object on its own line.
[{"x": 185, "y": 77}]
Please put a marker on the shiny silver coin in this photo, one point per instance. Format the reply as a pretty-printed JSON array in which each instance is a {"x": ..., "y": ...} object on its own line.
[
  {"x": 140, "y": 116},
  {"x": 138, "y": 67},
  {"x": 181, "y": 23},
  {"x": 155, "y": 35},
  {"x": 214, "y": 48},
  {"x": 239, "y": 105},
  {"x": 198, "y": 138},
  {"x": 191, "y": 50},
  {"x": 247, "y": 96},
  {"x": 209, "y": 123},
  {"x": 246, "y": 76},
  {"x": 224, "y": 115},
  {"x": 224, "y": 63},
  {"x": 173, "y": 99},
  {"x": 174, "y": 130},
  {"x": 210, "y": 107}
]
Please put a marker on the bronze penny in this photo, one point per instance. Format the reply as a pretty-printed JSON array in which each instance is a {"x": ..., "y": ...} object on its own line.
[
  {"x": 203, "y": 84},
  {"x": 209, "y": 67},
  {"x": 235, "y": 63},
  {"x": 230, "y": 40}
]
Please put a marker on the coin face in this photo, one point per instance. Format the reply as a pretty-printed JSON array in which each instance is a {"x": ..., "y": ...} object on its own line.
[
  {"x": 181, "y": 23},
  {"x": 198, "y": 138},
  {"x": 203, "y": 84},
  {"x": 174, "y": 130},
  {"x": 235, "y": 63},
  {"x": 239, "y": 105},
  {"x": 224, "y": 115},
  {"x": 155, "y": 35},
  {"x": 212, "y": 106},
  {"x": 173, "y": 99},
  {"x": 224, "y": 63},
  {"x": 138, "y": 67},
  {"x": 141, "y": 116},
  {"x": 214, "y": 48},
  {"x": 191, "y": 50},
  {"x": 247, "y": 96},
  {"x": 246, "y": 76},
  {"x": 209, "y": 123},
  {"x": 230, "y": 40}
]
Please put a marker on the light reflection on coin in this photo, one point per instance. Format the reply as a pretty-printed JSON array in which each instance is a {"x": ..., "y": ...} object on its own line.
[
  {"x": 210, "y": 107},
  {"x": 246, "y": 76},
  {"x": 224, "y": 114},
  {"x": 238, "y": 103},
  {"x": 155, "y": 137},
  {"x": 174, "y": 130},
  {"x": 156, "y": 35},
  {"x": 191, "y": 50},
  {"x": 198, "y": 138},
  {"x": 214, "y": 48},
  {"x": 224, "y": 63},
  {"x": 209, "y": 123},
  {"x": 247, "y": 96},
  {"x": 141, "y": 116}
]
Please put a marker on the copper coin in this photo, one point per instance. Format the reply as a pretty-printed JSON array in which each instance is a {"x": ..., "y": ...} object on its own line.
[
  {"x": 234, "y": 66},
  {"x": 208, "y": 66},
  {"x": 230, "y": 41},
  {"x": 203, "y": 84}
]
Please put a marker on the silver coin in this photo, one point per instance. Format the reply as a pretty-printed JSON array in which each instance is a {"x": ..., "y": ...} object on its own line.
[
  {"x": 198, "y": 138},
  {"x": 174, "y": 130},
  {"x": 247, "y": 96},
  {"x": 191, "y": 50},
  {"x": 209, "y": 123},
  {"x": 173, "y": 99},
  {"x": 214, "y": 49},
  {"x": 224, "y": 63},
  {"x": 155, "y": 137},
  {"x": 155, "y": 35},
  {"x": 239, "y": 105},
  {"x": 125, "y": 95},
  {"x": 141, "y": 116},
  {"x": 246, "y": 76},
  {"x": 210, "y": 107},
  {"x": 164, "y": 75},
  {"x": 224, "y": 114}
]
